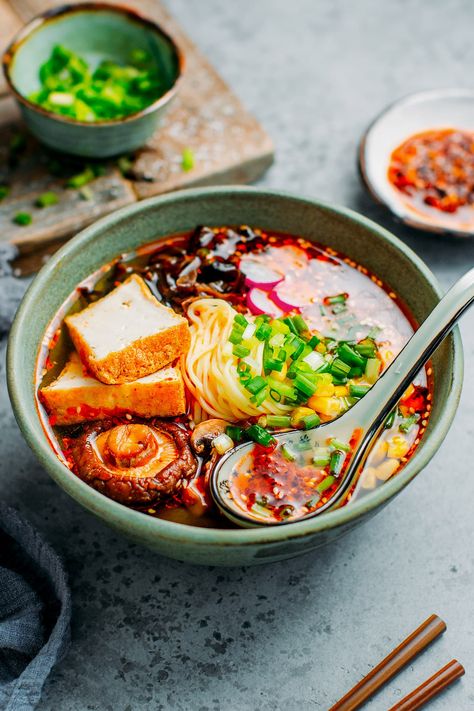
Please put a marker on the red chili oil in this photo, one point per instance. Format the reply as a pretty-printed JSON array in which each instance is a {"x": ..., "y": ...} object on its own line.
[
  {"x": 436, "y": 166},
  {"x": 149, "y": 261}
]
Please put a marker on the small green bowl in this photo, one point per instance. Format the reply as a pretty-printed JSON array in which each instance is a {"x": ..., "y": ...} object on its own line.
[
  {"x": 146, "y": 221},
  {"x": 95, "y": 31}
]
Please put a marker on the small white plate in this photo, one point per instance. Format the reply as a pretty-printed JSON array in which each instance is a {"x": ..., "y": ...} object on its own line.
[{"x": 443, "y": 108}]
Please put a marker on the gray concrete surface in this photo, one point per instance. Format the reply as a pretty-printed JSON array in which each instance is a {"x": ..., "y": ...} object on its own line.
[{"x": 154, "y": 634}]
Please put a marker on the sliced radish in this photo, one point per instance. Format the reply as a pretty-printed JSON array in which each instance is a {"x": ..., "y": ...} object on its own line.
[
  {"x": 259, "y": 302},
  {"x": 259, "y": 275},
  {"x": 287, "y": 296}
]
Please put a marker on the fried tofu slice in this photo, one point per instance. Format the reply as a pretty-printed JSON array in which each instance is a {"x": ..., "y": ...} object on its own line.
[
  {"x": 128, "y": 334},
  {"x": 75, "y": 396}
]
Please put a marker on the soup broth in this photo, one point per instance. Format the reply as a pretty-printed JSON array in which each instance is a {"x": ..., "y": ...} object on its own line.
[{"x": 245, "y": 333}]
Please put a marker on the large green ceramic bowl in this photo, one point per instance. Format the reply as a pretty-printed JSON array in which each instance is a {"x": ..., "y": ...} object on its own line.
[
  {"x": 95, "y": 31},
  {"x": 124, "y": 230}
]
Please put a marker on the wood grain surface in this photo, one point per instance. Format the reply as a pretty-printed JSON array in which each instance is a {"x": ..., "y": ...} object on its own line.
[{"x": 228, "y": 144}]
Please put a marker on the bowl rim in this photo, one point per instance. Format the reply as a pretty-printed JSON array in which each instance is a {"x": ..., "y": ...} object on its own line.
[
  {"x": 400, "y": 214},
  {"x": 135, "y": 523},
  {"x": 43, "y": 18}
]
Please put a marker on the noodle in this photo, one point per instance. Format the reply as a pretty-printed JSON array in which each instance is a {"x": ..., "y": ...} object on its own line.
[{"x": 210, "y": 368}]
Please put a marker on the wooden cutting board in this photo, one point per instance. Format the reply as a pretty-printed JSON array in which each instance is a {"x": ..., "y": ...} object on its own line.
[{"x": 228, "y": 144}]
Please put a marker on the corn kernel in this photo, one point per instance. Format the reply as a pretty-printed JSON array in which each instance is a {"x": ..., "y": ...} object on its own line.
[
  {"x": 298, "y": 414},
  {"x": 325, "y": 389},
  {"x": 321, "y": 348},
  {"x": 397, "y": 447},
  {"x": 280, "y": 375},
  {"x": 341, "y": 391},
  {"x": 329, "y": 406},
  {"x": 409, "y": 391}
]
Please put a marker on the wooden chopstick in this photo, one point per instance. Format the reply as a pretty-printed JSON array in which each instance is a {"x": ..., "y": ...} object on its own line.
[
  {"x": 429, "y": 688},
  {"x": 392, "y": 664}
]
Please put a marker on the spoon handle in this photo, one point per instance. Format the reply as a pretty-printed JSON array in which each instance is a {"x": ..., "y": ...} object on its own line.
[{"x": 388, "y": 390}]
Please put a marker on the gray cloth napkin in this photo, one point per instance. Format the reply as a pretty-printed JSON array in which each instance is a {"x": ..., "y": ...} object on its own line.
[{"x": 35, "y": 612}]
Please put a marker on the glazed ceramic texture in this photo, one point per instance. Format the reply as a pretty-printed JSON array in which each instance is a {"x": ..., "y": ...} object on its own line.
[
  {"x": 132, "y": 226},
  {"x": 95, "y": 32},
  {"x": 440, "y": 108}
]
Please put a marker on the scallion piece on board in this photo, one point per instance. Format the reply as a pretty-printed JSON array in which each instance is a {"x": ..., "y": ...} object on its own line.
[
  {"x": 4, "y": 191},
  {"x": 47, "y": 199},
  {"x": 23, "y": 219},
  {"x": 260, "y": 435},
  {"x": 187, "y": 160}
]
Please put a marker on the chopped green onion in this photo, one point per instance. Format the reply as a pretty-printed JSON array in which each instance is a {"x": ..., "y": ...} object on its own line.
[
  {"x": 325, "y": 484},
  {"x": 311, "y": 421},
  {"x": 278, "y": 421},
  {"x": 338, "y": 444},
  {"x": 339, "y": 368},
  {"x": 240, "y": 351},
  {"x": 313, "y": 341},
  {"x": 289, "y": 322},
  {"x": 263, "y": 332},
  {"x": 337, "y": 299},
  {"x": 366, "y": 348},
  {"x": 23, "y": 219},
  {"x": 260, "y": 435},
  {"x": 47, "y": 199},
  {"x": 390, "y": 420},
  {"x": 356, "y": 372},
  {"x": 350, "y": 356},
  {"x": 256, "y": 384},
  {"x": 372, "y": 368},
  {"x": 305, "y": 385},
  {"x": 287, "y": 453},
  {"x": 408, "y": 423},
  {"x": 336, "y": 462},
  {"x": 236, "y": 335},
  {"x": 279, "y": 327},
  {"x": 80, "y": 179},
  {"x": 235, "y": 432},
  {"x": 282, "y": 389},
  {"x": 358, "y": 390},
  {"x": 125, "y": 165},
  {"x": 297, "y": 345},
  {"x": 187, "y": 160},
  {"x": 321, "y": 457},
  {"x": 241, "y": 320},
  {"x": 259, "y": 397},
  {"x": 300, "y": 324}
]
